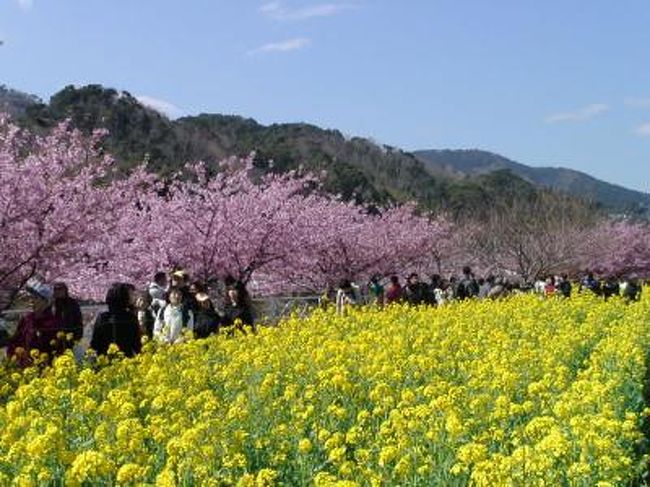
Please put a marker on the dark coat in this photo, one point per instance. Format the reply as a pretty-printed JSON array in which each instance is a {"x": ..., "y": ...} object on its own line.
[
  {"x": 243, "y": 313},
  {"x": 565, "y": 288},
  {"x": 68, "y": 312},
  {"x": 119, "y": 327},
  {"x": 611, "y": 288},
  {"x": 417, "y": 293},
  {"x": 189, "y": 300},
  {"x": 147, "y": 321},
  {"x": 206, "y": 322}
]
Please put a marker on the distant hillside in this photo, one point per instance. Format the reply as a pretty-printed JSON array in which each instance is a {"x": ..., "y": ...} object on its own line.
[
  {"x": 355, "y": 167},
  {"x": 458, "y": 163},
  {"x": 15, "y": 102}
]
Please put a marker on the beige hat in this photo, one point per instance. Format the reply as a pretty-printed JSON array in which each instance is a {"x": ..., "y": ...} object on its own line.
[{"x": 201, "y": 297}]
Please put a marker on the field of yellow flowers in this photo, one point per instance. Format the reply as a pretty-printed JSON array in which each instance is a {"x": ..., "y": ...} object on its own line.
[{"x": 519, "y": 392}]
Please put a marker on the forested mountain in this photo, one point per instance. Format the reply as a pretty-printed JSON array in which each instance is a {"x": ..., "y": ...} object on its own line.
[
  {"x": 355, "y": 167},
  {"x": 474, "y": 162},
  {"x": 14, "y": 102}
]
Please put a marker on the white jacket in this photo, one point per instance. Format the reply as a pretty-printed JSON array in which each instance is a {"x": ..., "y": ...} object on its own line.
[{"x": 169, "y": 324}]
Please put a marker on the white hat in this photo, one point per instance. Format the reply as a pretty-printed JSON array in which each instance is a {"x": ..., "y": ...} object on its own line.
[{"x": 38, "y": 288}]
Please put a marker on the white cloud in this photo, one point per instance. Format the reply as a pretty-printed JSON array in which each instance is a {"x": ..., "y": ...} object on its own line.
[
  {"x": 643, "y": 130},
  {"x": 270, "y": 8},
  {"x": 161, "y": 106},
  {"x": 283, "y": 46},
  {"x": 25, "y": 4},
  {"x": 580, "y": 115},
  {"x": 277, "y": 11},
  {"x": 638, "y": 102}
]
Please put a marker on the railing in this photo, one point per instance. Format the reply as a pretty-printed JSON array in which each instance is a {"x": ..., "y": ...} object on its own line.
[{"x": 273, "y": 309}]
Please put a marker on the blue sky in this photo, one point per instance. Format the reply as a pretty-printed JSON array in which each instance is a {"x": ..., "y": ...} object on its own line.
[{"x": 558, "y": 83}]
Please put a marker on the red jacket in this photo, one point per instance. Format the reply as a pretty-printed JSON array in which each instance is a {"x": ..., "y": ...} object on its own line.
[
  {"x": 394, "y": 293},
  {"x": 35, "y": 331}
]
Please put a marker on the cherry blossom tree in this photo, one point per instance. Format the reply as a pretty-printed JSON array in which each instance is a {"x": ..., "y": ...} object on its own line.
[
  {"x": 278, "y": 230},
  {"x": 65, "y": 214},
  {"x": 57, "y": 208},
  {"x": 620, "y": 249},
  {"x": 348, "y": 241},
  {"x": 229, "y": 224}
]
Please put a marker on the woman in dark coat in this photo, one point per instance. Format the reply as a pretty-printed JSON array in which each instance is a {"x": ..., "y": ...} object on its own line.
[
  {"x": 118, "y": 325},
  {"x": 206, "y": 320},
  {"x": 68, "y": 311},
  {"x": 238, "y": 306}
]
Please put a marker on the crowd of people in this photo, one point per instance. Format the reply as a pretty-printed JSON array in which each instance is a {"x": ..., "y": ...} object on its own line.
[
  {"x": 164, "y": 311},
  {"x": 172, "y": 304},
  {"x": 438, "y": 290}
]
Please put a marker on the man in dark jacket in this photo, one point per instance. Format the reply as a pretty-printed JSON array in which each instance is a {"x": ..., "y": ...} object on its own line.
[
  {"x": 632, "y": 289},
  {"x": 67, "y": 310},
  {"x": 467, "y": 287},
  {"x": 610, "y": 288},
  {"x": 591, "y": 283},
  {"x": 416, "y": 292},
  {"x": 564, "y": 286}
]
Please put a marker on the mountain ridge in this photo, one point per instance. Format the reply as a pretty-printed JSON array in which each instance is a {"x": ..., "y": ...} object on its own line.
[
  {"x": 355, "y": 167},
  {"x": 470, "y": 162}
]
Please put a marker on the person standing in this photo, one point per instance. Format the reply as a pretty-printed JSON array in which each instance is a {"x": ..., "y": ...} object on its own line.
[
  {"x": 146, "y": 314},
  {"x": 549, "y": 287},
  {"x": 564, "y": 286},
  {"x": 207, "y": 321},
  {"x": 434, "y": 283},
  {"x": 180, "y": 280},
  {"x": 38, "y": 329},
  {"x": 345, "y": 296},
  {"x": 68, "y": 311},
  {"x": 238, "y": 308},
  {"x": 118, "y": 325},
  {"x": 158, "y": 287},
  {"x": 173, "y": 318},
  {"x": 195, "y": 288},
  {"x": 611, "y": 287},
  {"x": 591, "y": 283},
  {"x": 394, "y": 293},
  {"x": 415, "y": 292},
  {"x": 467, "y": 287},
  {"x": 376, "y": 291},
  {"x": 499, "y": 289},
  {"x": 631, "y": 290}
]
